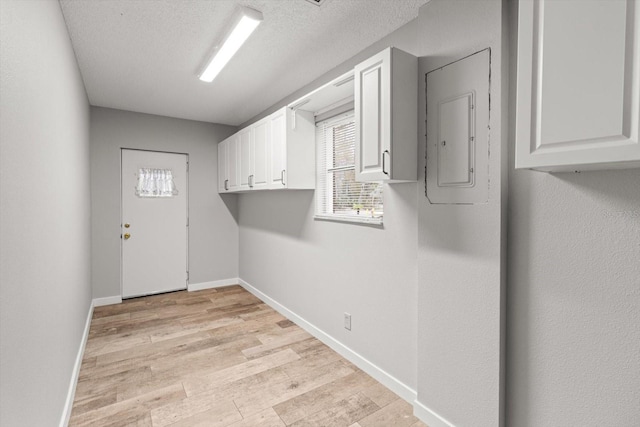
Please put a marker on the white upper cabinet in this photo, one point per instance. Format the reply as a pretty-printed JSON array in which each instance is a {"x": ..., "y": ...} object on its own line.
[
  {"x": 244, "y": 159},
  {"x": 578, "y": 85},
  {"x": 292, "y": 150},
  {"x": 277, "y": 152},
  {"x": 386, "y": 100}
]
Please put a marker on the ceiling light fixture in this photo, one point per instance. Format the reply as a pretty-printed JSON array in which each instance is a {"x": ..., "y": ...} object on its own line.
[{"x": 244, "y": 24}]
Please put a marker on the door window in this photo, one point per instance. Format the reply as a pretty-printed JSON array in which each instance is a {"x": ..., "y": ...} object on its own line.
[{"x": 155, "y": 183}]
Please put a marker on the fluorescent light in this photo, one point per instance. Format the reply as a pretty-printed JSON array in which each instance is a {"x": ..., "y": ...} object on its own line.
[{"x": 249, "y": 20}]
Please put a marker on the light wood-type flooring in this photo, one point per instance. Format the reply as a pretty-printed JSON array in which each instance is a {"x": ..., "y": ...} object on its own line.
[{"x": 220, "y": 357}]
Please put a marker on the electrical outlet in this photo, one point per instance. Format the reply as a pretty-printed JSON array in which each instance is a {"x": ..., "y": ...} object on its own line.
[{"x": 347, "y": 321}]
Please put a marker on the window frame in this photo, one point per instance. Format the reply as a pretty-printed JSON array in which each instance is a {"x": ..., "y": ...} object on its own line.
[{"x": 328, "y": 170}]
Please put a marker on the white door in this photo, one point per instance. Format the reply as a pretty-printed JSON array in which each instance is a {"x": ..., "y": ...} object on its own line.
[
  {"x": 373, "y": 118},
  {"x": 223, "y": 160},
  {"x": 154, "y": 222},
  {"x": 245, "y": 158},
  {"x": 278, "y": 150},
  {"x": 261, "y": 149},
  {"x": 232, "y": 163}
]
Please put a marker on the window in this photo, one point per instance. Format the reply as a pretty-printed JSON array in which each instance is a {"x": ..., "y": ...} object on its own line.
[
  {"x": 338, "y": 195},
  {"x": 155, "y": 183}
]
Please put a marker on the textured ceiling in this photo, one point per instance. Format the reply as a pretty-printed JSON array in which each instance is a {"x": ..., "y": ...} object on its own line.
[{"x": 144, "y": 55}]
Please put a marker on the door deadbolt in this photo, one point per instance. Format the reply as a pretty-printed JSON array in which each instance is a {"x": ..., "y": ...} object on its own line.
[
  {"x": 127, "y": 236},
  {"x": 127, "y": 225}
]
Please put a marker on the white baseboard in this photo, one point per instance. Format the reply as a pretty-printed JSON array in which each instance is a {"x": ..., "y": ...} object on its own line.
[
  {"x": 214, "y": 284},
  {"x": 428, "y": 416},
  {"x": 97, "y": 302},
  {"x": 68, "y": 405},
  {"x": 380, "y": 375}
]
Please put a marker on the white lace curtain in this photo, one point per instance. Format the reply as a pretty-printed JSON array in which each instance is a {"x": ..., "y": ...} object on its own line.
[{"x": 155, "y": 183}]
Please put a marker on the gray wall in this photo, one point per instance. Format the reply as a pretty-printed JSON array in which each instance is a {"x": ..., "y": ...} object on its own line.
[
  {"x": 461, "y": 247},
  {"x": 321, "y": 269},
  {"x": 573, "y": 309},
  {"x": 45, "y": 291},
  {"x": 428, "y": 309},
  {"x": 213, "y": 229},
  {"x": 573, "y": 304}
]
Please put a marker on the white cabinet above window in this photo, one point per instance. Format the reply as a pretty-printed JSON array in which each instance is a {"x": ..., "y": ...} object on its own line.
[
  {"x": 278, "y": 152},
  {"x": 578, "y": 85},
  {"x": 386, "y": 101}
]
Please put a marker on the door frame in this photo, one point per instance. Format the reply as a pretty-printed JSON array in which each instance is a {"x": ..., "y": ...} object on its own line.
[{"x": 121, "y": 217}]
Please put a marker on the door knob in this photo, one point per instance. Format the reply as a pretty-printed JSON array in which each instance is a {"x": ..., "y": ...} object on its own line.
[{"x": 127, "y": 236}]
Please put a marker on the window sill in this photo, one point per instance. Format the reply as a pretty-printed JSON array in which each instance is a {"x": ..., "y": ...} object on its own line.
[{"x": 351, "y": 219}]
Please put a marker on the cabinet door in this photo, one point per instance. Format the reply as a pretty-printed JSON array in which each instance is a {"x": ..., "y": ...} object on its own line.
[
  {"x": 232, "y": 163},
  {"x": 278, "y": 150},
  {"x": 261, "y": 150},
  {"x": 244, "y": 138},
  {"x": 223, "y": 182},
  {"x": 373, "y": 118},
  {"x": 578, "y": 85}
]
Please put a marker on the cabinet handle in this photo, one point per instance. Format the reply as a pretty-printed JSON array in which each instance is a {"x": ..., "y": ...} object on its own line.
[
  {"x": 226, "y": 184},
  {"x": 282, "y": 177},
  {"x": 250, "y": 181},
  {"x": 384, "y": 171}
]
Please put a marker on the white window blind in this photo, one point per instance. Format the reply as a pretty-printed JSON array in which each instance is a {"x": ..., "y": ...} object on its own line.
[{"x": 338, "y": 195}]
